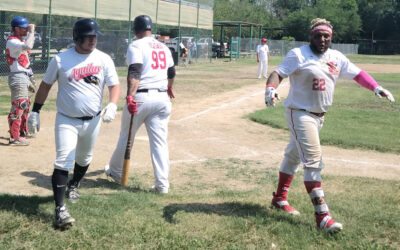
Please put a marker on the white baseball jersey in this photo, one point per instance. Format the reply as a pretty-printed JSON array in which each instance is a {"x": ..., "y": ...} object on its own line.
[
  {"x": 262, "y": 51},
  {"x": 16, "y": 50},
  {"x": 81, "y": 79},
  {"x": 313, "y": 77},
  {"x": 156, "y": 59}
]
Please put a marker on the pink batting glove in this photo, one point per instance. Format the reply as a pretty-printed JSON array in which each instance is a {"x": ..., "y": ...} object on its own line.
[{"x": 132, "y": 106}]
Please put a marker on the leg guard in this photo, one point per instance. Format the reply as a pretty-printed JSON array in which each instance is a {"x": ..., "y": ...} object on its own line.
[
  {"x": 15, "y": 116},
  {"x": 24, "y": 118},
  {"x": 322, "y": 216}
]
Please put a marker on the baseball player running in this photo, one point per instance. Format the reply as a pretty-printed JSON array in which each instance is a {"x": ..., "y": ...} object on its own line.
[
  {"x": 81, "y": 72},
  {"x": 151, "y": 75},
  {"x": 262, "y": 58},
  {"x": 18, "y": 47},
  {"x": 313, "y": 71}
]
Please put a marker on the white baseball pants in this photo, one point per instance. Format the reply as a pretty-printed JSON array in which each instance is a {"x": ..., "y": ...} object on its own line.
[
  {"x": 263, "y": 68},
  {"x": 75, "y": 141},
  {"x": 304, "y": 146},
  {"x": 154, "y": 109}
]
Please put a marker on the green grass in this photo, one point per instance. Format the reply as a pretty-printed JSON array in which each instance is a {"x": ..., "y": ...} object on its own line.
[
  {"x": 199, "y": 214},
  {"x": 375, "y": 59},
  {"x": 357, "y": 118}
]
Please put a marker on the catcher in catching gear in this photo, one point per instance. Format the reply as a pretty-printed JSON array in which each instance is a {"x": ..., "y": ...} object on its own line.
[
  {"x": 313, "y": 71},
  {"x": 18, "y": 47}
]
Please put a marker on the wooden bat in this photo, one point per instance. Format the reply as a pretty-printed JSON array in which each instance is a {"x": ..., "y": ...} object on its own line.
[{"x": 127, "y": 157}]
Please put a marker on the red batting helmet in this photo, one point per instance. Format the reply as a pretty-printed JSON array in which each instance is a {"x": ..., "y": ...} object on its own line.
[{"x": 264, "y": 40}]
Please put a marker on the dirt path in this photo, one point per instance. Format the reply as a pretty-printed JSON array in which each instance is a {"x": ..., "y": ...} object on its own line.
[{"x": 208, "y": 128}]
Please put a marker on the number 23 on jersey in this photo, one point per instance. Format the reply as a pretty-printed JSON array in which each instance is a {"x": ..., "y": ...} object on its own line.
[{"x": 159, "y": 59}]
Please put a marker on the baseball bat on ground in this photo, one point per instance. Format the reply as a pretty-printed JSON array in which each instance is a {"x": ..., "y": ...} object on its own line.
[{"x": 127, "y": 157}]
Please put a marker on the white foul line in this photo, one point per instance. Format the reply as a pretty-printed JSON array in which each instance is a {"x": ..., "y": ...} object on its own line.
[{"x": 219, "y": 106}]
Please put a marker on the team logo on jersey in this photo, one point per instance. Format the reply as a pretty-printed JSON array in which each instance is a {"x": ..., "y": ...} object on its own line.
[
  {"x": 333, "y": 68},
  {"x": 81, "y": 73},
  {"x": 91, "y": 79}
]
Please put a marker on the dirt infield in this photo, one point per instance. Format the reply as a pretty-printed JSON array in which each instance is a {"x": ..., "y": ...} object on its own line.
[{"x": 201, "y": 128}]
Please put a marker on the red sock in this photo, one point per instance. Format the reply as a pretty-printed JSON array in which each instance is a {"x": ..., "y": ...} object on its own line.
[{"x": 283, "y": 186}]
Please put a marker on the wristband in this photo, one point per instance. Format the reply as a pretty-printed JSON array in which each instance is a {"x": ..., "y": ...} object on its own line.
[
  {"x": 271, "y": 85},
  {"x": 36, "y": 107}
]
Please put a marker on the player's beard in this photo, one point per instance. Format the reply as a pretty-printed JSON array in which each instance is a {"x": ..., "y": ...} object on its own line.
[{"x": 320, "y": 47}]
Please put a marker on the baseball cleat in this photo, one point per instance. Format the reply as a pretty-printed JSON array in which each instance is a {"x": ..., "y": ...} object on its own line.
[
  {"x": 62, "y": 217},
  {"x": 283, "y": 205},
  {"x": 28, "y": 135},
  {"x": 72, "y": 192},
  {"x": 325, "y": 222},
  {"x": 158, "y": 190},
  {"x": 18, "y": 142},
  {"x": 107, "y": 171}
]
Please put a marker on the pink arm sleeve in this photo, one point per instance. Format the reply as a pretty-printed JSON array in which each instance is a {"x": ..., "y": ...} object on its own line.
[{"x": 366, "y": 80}]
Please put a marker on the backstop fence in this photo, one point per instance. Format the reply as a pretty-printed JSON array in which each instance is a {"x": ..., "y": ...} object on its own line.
[{"x": 189, "y": 22}]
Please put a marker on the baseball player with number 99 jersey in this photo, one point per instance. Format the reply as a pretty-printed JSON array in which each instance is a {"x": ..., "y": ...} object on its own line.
[
  {"x": 150, "y": 78},
  {"x": 313, "y": 71}
]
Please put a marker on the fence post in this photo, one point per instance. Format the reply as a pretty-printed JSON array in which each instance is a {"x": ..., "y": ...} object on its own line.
[
  {"x": 49, "y": 33},
  {"x": 156, "y": 24},
  {"x": 95, "y": 10},
  {"x": 197, "y": 27},
  {"x": 179, "y": 31},
  {"x": 130, "y": 22}
]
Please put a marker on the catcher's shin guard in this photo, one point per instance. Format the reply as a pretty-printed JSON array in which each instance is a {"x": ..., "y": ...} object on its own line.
[
  {"x": 24, "y": 118},
  {"x": 322, "y": 216},
  {"x": 15, "y": 120}
]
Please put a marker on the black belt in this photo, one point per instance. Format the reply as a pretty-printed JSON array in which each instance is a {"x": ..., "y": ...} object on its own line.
[
  {"x": 147, "y": 90},
  {"x": 316, "y": 114},
  {"x": 86, "y": 118}
]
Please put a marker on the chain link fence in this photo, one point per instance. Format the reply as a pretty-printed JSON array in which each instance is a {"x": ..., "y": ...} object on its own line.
[
  {"x": 282, "y": 47},
  {"x": 176, "y": 21}
]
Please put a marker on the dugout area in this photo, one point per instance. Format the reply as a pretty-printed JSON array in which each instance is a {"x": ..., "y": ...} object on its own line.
[{"x": 189, "y": 21}]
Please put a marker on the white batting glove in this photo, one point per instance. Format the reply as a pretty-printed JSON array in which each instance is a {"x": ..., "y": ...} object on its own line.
[
  {"x": 109, "y": 112},
  {"x": 271, "y": 96},
  {"x": 34, "y": 122},
  {"x": 381, "y": 92}
]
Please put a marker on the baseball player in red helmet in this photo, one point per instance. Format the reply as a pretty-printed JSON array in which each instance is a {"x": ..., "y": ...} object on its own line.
[
  {"x": 313, "y": 71},
  {"x": 18, "y": 47},
  {"x": 151, "y": 74},
  {"x": 262, "y": 58},
  {"x": 82, "y": 72}
]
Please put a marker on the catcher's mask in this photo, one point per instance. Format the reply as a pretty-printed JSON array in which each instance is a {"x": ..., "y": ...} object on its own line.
[
  {"x": 142, "y": 23},
  {"x": 84, "y": 27}
]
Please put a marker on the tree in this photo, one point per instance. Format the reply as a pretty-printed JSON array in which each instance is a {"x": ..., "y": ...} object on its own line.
[
  {"x": 380, "y": 19},
  {"x": 341, "y": 13},
  {"x": 246, "y": 11}
]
